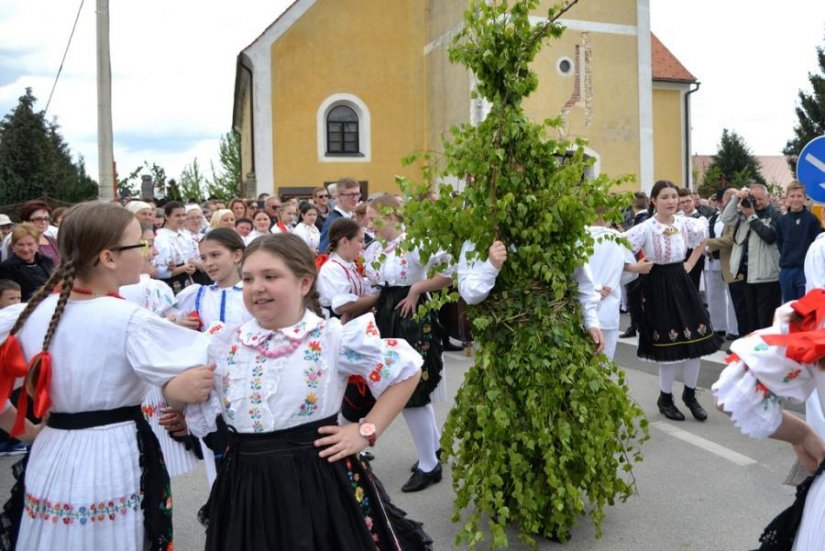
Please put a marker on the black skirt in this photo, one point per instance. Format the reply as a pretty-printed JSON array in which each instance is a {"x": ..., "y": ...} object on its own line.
[
  {"x": 425, "y": 335},
  {"x": 674, "y": 324},
  {"x": 273, "y": 491}
]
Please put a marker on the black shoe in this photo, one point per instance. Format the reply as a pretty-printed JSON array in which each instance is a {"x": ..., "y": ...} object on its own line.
[
  {"x": 731, "y": 337},
  {"x": 668, "y": 408},
  {"x": 629, "y": 334},
  {"x": 415, "y": 465},
  {"x": 447, "y": 346},
  {"x": 366, "y": 456},
  {"x": 689, "y": 398},
  {"x": 421, "y": 480},
  {"x": 720, "y": 334}
]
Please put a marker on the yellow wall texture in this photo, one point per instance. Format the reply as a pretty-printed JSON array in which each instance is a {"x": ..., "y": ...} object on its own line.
[
  {"x": 246, "y": 136},
  {"x": 362, "y": 48},
  {"x": 618, "y": 12},
  {"x": 669, "y": 136}
]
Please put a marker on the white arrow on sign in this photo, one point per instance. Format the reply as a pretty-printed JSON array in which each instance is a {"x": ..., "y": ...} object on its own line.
[{"x": 814, "y": 161}]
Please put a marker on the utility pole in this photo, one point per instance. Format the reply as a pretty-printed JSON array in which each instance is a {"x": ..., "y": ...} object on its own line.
[{"x": 105, "y": 151}]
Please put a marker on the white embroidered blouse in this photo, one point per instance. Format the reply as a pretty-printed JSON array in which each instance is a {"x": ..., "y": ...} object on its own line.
[
  {"x": 173, "y": 246},
  {"x": 340, "y": 283},
  {"x": 666, "y": 244},
  {"x": 310, "y": 234},
  {"x": 399, "y": 268},
  {"x": 257, "y": 393},
  {"x": 152, "y": 294},
  {"x": 753, "y": 388},
  {"x": 216, "y": 307}
]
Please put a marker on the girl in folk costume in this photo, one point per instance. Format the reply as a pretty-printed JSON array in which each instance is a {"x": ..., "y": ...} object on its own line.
[
  {"x": 157, "y": 297},
  {"x": 768, "y": 367},
  {"x": 675, "y": 329},
  {"x": 286, "y": 217},
  {"x": 260, "y": 226},
  {"x": 404, "y": 284},
  {"x": 211, "y": 307},
  {"x": 345, "y": 294},
  {"x": 290, "y": 479},
  {"x": 177, "y": 251},
  {"x": 306, "y": 229},
  {"x": 95, "y": 477}
]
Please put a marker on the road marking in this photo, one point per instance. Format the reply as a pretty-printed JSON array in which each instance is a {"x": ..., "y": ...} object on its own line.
[
  {"x": 704, "y": 444},
  {"x": 814, "y": 161}
]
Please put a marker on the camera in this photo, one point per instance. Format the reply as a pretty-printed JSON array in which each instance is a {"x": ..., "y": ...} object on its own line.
[{"x": 748, "y": 202}]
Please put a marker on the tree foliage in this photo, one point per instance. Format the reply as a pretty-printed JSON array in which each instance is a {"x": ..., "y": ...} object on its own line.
[
  {"x": 35, "y": 161},
  {"x": 226, "y": 183},
  {"x": 733, "y": 165},
  {"x": 810, "y": 112},
  {"x": 542, "y": 430},
  {"x": 130, "y": 185},
  {"x": 192, "y": 182}
]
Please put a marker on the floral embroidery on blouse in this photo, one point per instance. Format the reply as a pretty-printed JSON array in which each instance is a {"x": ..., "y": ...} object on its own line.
[
  {"x": 151, "y": 410},
  {"x": 761, "y": 347},
  {"x": 67, "y": 513},
  {"x": 791, "y": 375},
  {"x": 768, "y": 397},
  {"x": 378, "y": 372},
  {"x": 372, "y": 330},
  {"x": 256, "y": 395},
  {"x": 313, "y": 351},
  {"x": 309, "y": 406}
]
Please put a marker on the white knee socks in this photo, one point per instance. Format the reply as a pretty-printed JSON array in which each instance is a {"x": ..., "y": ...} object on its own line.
[
  {"x": 421, "y": 422},
  {"x": 667, "y": 374}
]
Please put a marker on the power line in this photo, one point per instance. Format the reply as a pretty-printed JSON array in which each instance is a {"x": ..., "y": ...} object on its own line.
[{"x": 62, "y": 61}]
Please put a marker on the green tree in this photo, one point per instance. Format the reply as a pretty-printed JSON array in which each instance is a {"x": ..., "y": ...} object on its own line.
[
  {"x": 542, "y": 431},
  {"x": 733, "y": 165},
  {"x": 35, "y": 161},
  {"x": 192, "y": 181},
  {"x": 810, "y": 113},
  {"x": 226, "y": 183}
]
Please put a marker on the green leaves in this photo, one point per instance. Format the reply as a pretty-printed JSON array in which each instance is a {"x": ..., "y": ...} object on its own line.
[{"x": 542, "y": 431}]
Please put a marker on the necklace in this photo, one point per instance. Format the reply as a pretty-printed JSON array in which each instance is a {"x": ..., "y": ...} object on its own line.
[
  {"x": 95, "y": 294},
  {"x": 284, "y": 350}
]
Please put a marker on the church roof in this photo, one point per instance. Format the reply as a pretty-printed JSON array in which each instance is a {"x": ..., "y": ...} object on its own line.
[{"x": 665, "y": 65}]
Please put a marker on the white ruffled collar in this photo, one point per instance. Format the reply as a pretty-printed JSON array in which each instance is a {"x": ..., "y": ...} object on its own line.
[
  {"x": 252, "y": 334},
  {"x": 662, "y": 229}
]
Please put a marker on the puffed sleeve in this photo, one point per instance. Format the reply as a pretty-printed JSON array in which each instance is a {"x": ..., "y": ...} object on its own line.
[
  {"x": 8, "y": 316},
  {"x": 158, "y": 349},
  {"x": 201, "y": 417},
  {"x": 695, "y": 231},
  {"x": 815, "y": 264},
  {"x": 752, "y": 387},
  {"x": 637, "y": 236},
  {"x": 442, "y": 258},
  {"x": 161, "y": 297},
  {"x": 475, "y": 279},
  {"x": 372, "y": 259},
  {"x": 185, "y": 301},
  {"x": 382, "y": 362},
  {"x": 165, "y": 254},
  {"x": 334, "y": 287}
]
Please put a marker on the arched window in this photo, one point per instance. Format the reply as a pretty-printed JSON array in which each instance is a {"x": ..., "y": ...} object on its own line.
[{"x": 342, "y": 131}]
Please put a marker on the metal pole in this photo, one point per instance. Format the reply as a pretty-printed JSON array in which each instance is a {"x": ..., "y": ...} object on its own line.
[{"x": 105, "y": 153}]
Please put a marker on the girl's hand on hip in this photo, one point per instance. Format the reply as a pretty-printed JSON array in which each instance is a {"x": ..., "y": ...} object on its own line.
[{"x": 342, "y": 441}]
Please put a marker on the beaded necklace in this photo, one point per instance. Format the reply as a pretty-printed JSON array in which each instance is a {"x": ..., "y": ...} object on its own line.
[{"x": 284, "y": 350}]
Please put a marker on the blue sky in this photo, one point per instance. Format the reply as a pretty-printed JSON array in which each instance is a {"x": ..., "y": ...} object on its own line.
[{"x": 173, "y": 63}]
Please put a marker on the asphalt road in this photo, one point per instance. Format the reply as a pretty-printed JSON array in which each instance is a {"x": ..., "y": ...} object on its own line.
[{"x": 701, "y": 486}]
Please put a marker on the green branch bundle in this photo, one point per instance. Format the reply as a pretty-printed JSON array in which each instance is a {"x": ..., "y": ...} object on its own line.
[{"x": 542, "y": 430}]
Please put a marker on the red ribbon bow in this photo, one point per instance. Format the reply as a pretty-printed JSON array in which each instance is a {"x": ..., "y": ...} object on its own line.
[
  {"x": 805, "y": 342},
  {"x": 12, "y": 367}
]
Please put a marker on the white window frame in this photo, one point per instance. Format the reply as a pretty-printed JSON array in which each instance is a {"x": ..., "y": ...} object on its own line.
[{"x": 364, "y": 129}]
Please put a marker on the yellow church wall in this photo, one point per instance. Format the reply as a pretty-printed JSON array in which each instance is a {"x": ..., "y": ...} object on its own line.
[
  {"x": 607, "y": 111},
  {"x": 378, "y": 58},
  {"x": 668, "y": 133},
  {"x": 617, "y": 12}
]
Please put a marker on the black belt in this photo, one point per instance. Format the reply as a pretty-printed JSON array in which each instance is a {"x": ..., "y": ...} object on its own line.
[{"x": 89, "y": 419}]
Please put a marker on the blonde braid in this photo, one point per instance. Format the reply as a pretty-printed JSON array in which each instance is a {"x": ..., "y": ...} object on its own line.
[{"x": 68, "y": 277}]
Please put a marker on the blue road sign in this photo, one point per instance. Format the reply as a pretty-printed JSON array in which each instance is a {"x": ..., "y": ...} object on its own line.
[{"x": 810, "y": 169}]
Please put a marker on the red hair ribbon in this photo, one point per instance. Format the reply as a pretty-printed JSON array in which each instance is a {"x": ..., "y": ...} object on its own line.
[{"x": 12, "y": 367}]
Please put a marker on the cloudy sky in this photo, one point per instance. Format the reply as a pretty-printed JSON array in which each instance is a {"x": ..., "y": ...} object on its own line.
[{"x": 173, "y": 66}]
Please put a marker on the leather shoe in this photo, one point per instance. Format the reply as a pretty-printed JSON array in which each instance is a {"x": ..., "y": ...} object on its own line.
[
  {"x": 730, "y": 337},
  {"x": 448, "y": 346},
  {"x": 421, "y": 480},
  {"x": 630, "y": 333},
  {"x": 689, "y": 398},
  {"x": 668, "y": 408},
  {"x": 415, "y": 465}
]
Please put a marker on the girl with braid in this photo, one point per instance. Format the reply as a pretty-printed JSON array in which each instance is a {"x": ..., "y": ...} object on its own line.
[{"x": 95, "y": 477}]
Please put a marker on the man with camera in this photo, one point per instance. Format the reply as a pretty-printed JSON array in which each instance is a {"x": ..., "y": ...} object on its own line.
[{"x": 755, "y": 254}]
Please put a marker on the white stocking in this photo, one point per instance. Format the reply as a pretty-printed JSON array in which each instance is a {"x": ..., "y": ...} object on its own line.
[
  {"x": 691, "y": 372},
  {"x": 667, "y": 374},
  {"x": 421, "y": 423}
]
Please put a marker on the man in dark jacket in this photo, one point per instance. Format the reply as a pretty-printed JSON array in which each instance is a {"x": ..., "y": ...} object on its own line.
[{"x": 795, "y": 232}]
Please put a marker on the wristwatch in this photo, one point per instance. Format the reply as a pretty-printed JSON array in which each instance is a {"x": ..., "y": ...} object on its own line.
[{"x": 367, "y": 430}]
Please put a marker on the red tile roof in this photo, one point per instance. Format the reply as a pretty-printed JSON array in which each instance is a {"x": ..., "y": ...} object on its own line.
[
  {"x": 665, "y": 65},
  {"x": 774, "y": 168}
]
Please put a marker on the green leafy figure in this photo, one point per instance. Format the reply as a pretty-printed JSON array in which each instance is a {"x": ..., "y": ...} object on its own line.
[{"x": 542, "y": 431}]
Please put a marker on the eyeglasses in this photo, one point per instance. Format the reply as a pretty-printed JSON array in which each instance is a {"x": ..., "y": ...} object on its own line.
[
  {"x": 353, "y": 194},
  {"x": 322, "y": 196},
  {"x": 40, "y": 219},
  {"x": 142, "y": 244}
]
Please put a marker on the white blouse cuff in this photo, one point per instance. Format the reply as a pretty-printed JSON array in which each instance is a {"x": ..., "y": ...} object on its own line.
[
  {"x": 754, "y": 409},
  {"x": 201, "y": 417},
  {"x": 342, "y": 299}
]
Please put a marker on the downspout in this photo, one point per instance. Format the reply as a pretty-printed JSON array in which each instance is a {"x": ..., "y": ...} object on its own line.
[
  {"x": 688, "y": 161},
  {"x": 245, "y": 62}
]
